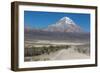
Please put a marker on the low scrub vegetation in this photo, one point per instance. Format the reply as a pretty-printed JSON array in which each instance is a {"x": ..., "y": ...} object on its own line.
[{"x": 34, "y": 51}]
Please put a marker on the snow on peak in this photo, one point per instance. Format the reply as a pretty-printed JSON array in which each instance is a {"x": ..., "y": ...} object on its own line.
[{"x": 67, "y": 20}]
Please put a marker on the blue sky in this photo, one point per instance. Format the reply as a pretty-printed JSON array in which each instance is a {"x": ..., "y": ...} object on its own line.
[{"x": 40, "y": 20}]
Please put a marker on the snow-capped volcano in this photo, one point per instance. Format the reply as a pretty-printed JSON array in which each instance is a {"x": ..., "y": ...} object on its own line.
[{"x": 65, "y": 24}]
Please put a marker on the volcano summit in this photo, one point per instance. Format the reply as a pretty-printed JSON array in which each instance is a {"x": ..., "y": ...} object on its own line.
[{"x": 65, "y": 24}]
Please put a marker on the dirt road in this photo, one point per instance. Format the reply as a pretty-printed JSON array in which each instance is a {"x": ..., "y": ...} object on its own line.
[{"x": 68, "y": 54}]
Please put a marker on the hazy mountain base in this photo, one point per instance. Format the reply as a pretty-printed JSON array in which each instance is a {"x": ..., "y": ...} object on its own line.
[
  {"x": 41, "y": 46},
  {"x": 57, "y": 36}
]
